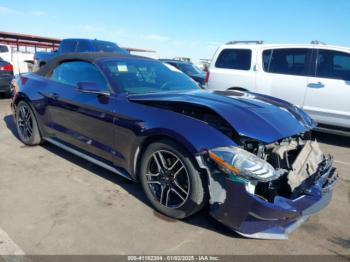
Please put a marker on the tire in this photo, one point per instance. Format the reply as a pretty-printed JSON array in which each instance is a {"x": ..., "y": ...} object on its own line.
[
  {"x": 182, "y": 177},
  {"x": 27, "y": 125}
]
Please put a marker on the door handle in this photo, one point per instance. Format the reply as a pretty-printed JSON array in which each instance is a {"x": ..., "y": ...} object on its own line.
[
  {"x": 51, "y": 95},
  {"x": 316, "y": 85}
]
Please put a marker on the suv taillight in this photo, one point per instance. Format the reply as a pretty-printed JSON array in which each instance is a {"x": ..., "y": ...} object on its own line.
[
  {"x": 6, "y": 68},
  {"x": 207, "y": 77}
]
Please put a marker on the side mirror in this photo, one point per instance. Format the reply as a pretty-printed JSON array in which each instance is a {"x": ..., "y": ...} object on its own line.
[{"x": 90, "y": 87}]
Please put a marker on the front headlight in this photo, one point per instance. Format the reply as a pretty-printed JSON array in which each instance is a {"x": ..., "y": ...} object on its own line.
[{"x": 237, "y": 161}]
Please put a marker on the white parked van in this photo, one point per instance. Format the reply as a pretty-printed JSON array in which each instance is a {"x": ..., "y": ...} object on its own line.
[{"x": 315, "y": 76}]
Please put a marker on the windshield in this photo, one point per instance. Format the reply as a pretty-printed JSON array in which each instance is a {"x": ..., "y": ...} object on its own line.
[
  {"x": 136, "y": 76},
  {"x": 104, "y": 46},
  {"x": 189, "y": 69}
]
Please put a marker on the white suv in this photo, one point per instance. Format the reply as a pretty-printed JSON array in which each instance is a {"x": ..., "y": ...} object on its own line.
[{"x": 315, "y": 76}]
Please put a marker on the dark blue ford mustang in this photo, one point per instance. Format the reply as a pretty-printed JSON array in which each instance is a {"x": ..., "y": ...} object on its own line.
[{"x": 249, "y": 156}]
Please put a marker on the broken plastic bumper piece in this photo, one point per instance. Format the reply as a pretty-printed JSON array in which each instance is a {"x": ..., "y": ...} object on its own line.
[{"x": 236, "y": 206}]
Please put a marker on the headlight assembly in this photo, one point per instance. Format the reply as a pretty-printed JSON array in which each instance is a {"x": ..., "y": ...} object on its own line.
[{"x": 234, "y": 160}]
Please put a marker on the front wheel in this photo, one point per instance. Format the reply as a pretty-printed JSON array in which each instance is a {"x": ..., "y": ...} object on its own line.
[
  {"x": 171, "y": 181},
  {"x": 27, "y": 126}
]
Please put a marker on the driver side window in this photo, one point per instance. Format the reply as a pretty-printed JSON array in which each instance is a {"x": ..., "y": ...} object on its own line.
[{"x": 73, "y": 72}]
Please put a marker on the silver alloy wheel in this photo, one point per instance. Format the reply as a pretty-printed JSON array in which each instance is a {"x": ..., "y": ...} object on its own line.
[
  {"x": 168, "y": 179},
  {"x": 25, "y": 122}
]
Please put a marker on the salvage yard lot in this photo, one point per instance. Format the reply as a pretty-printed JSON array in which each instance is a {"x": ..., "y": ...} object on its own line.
[{"x": 52, "y": 202}]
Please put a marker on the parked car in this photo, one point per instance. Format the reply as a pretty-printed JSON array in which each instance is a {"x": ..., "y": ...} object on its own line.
[
  {"x": 248, "y": 155},
  {"x": 77, "y": 45},
  {"x": 316, "y": 77},
  {"x": 22, "y": 62},
  {"x": 189, "y": 69},
  {"x": 6, "y": 75}
]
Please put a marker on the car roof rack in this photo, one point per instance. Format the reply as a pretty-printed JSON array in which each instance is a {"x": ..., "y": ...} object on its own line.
[
  {"x": 245, "y": 42},
  {"x": 317, "y": 42}
]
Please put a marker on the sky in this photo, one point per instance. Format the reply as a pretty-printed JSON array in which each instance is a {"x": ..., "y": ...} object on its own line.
[{"x": 189, "y": 28}]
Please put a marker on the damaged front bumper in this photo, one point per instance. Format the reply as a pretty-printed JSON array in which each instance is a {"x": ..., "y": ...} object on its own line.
[{"x": 234, "y": 203}]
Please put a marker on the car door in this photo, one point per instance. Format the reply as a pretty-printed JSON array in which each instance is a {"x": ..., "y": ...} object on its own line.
[
  {"x": 328, "y": 92},
  {"x": 82, "y": 119},
  {"x": 283, "y": 73}
]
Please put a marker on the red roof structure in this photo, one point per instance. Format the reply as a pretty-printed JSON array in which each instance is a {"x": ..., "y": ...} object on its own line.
[{"x": 18, "y": 40}]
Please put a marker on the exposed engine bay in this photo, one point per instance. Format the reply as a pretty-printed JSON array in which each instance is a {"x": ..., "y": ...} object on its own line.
[{"x": 300, "y": 162}]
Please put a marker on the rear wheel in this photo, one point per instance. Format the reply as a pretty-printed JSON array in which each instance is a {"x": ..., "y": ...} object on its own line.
[
  {"x": 171, "y": 180},
  {"x": 27, "y": 126}
]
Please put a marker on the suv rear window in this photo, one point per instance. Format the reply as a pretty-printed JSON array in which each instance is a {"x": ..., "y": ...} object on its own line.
[
  {"x": 333, "y": 64},
  {"x": 289, "y": 61},
  {"x": 3, "y": 49},
  {"x": 239, "y": 59}
]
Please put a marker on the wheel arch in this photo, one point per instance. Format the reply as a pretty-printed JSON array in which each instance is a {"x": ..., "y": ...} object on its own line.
[
  {"x": 184, "y": 144},
  {"x": 20, "y": 96}
]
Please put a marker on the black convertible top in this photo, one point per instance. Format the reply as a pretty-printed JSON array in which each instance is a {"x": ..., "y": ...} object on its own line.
[{"x": 88, "y": 57}]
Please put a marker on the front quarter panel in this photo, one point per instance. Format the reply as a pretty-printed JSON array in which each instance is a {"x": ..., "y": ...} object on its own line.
[{"x": 194, "y": 135}]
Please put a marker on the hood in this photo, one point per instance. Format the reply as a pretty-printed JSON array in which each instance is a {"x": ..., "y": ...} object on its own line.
[{"x": 252, "y": 115}]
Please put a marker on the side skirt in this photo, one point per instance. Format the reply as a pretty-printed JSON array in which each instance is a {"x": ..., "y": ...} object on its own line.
[{"x": 88, "y": 158}]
